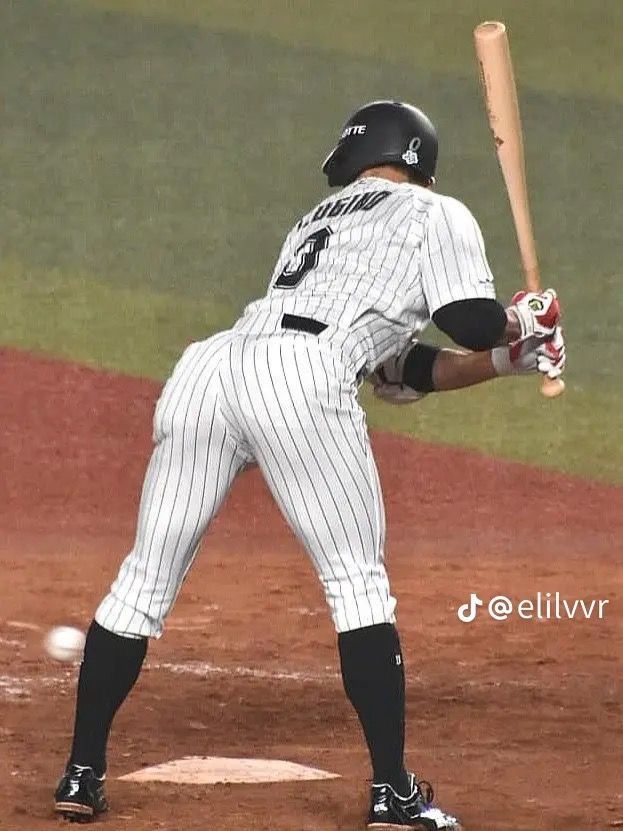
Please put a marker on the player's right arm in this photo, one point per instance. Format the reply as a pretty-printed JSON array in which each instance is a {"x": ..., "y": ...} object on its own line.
[
  {"x": 453, "y": 370},
  {"x": 459, "y": 289},
  {"x": 421, "y": 368}
]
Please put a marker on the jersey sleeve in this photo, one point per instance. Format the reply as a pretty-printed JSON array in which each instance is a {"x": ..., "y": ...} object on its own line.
[{"x": 454, "y": 263}]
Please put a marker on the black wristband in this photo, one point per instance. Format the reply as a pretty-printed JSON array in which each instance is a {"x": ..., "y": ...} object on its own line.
[{"x": 417, "y": 371}]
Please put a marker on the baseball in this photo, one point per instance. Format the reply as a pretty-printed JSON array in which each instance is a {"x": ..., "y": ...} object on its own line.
[{"x": 64, "y": 643}]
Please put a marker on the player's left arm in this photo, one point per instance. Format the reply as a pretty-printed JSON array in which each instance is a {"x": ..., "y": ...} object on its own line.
[
  {"x": 420, "y": 368},
  {"x": 459, "y": 289}
]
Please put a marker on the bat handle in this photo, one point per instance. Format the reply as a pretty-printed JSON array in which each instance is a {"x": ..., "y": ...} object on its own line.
[{"x": 552, "y": 387}]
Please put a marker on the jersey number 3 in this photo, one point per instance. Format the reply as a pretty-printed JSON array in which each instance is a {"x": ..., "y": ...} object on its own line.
[{"x": 305, "y": 259}]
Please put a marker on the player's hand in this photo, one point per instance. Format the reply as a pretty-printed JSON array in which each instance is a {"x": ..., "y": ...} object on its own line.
[
  {"x": 547, "y": 356},
  {"x": 538, "y": 314},
  {"x": 552, "y": 355}
]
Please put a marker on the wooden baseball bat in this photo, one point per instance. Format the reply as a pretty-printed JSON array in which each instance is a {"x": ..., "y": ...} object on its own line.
[{"x": 500, "y": 93}]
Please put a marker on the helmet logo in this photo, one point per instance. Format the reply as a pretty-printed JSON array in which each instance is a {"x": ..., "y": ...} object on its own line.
[
  {"x": 353, "y": 130},
  {"x": 410, "y": 155}
]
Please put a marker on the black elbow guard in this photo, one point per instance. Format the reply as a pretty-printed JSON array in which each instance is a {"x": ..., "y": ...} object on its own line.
[
  {"x": 477, "y": 324},
  {"x": 417, "y": 370}
]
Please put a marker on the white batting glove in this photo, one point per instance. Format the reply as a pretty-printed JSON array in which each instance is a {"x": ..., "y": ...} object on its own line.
[
  {"x": 538, "y": 315},
  {"x": 532, "y": 355}
]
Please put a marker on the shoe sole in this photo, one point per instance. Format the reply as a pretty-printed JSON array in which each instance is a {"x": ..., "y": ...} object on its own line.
[
  {"x": 391, "y": 826},
  {"x": 75, "y": 812}
]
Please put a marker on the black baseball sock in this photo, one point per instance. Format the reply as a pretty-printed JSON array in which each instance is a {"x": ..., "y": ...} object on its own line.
[
  {"x": 110, "y": 667},
  {"x": 374, "y": 680}
]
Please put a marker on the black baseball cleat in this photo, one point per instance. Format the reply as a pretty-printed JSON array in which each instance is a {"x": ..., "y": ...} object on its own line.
[
  {"x": 391, "y": 812},
  {"x": 80, "y": 794}
]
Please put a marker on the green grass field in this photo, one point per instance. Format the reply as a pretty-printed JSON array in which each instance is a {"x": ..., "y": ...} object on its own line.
[{"x": 155, "y": 153}]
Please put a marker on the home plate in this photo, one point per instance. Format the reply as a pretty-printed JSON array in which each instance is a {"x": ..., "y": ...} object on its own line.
[{"x": 213, "y": 770}]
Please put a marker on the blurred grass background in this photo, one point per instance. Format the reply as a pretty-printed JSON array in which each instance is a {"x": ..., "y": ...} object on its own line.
[{"x": 155, "y": 153}]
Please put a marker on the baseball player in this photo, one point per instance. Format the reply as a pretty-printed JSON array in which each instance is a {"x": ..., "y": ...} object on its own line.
[{"x": 358, "y": 278}]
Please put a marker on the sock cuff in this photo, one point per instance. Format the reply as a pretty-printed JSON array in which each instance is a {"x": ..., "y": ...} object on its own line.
[
  {"x": 112, "y": 645},
  {"x": 370, "y": 644}
]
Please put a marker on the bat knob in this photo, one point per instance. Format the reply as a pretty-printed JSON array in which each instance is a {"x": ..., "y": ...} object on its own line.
[
  {"x": 552, "y": 387},
  {"x": 489, "y": 29}
]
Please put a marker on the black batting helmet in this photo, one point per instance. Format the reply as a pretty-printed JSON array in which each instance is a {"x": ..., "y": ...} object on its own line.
[{"x": 383, "y": 132}]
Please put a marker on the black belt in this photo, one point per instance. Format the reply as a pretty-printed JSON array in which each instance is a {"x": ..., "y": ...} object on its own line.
[{"x": 303, "y": 324}]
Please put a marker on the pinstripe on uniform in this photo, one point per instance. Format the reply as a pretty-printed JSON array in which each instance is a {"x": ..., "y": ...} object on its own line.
[{"x": 288, "y": 401}]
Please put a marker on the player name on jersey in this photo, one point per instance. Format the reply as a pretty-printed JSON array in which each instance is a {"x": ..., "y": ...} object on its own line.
[{"x": 340, "y": 207}]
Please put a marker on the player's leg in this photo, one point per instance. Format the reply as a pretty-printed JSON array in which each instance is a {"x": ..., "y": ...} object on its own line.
[
  {"x": 194, "y": 463},
  {"x": 310, "y": 439}
]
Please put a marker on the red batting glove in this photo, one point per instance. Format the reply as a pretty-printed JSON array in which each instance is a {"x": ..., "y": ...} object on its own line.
[
  {"x": 531, "y": 355},
  {"x": 538, "y": 314}
]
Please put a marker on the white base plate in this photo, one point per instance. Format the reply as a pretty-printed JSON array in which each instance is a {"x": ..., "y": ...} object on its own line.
[{"x": 214, "y": 770}]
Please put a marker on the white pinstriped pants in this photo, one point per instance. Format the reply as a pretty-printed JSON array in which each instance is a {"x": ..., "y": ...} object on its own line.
[{"x": 289, "y": 402}]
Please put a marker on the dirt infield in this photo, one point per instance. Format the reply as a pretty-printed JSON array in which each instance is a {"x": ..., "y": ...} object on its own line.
[{"x": 518, "y": 723}]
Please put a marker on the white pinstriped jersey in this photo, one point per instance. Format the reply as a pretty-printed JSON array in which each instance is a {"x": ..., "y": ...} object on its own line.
[
  {"x": 375, "y": 262},
  {"x": 372, "y": 263}
]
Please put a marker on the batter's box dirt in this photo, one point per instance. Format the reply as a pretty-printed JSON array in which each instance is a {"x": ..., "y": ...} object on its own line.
[{"x": 504, "y": 718}]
